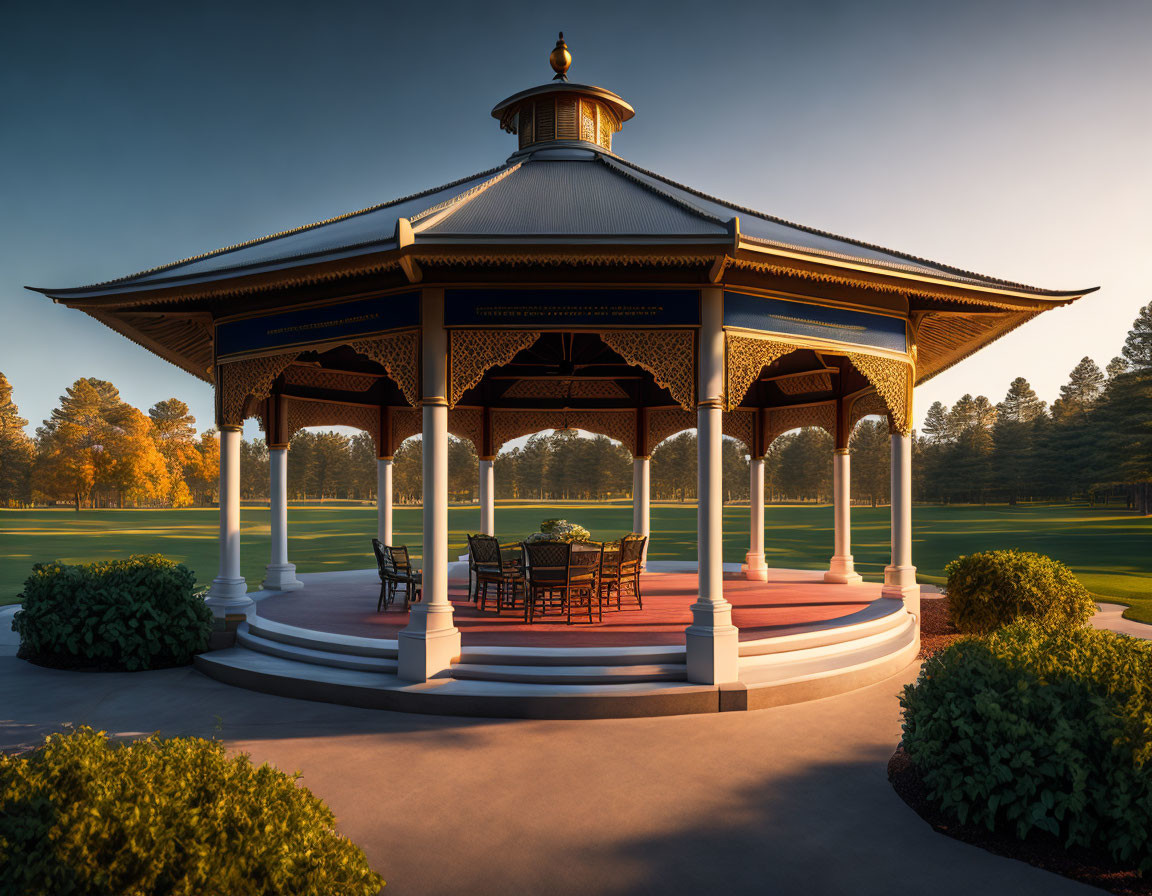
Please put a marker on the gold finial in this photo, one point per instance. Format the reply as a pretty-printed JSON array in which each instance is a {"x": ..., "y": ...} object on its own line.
[{"x": 560, "y": 59}]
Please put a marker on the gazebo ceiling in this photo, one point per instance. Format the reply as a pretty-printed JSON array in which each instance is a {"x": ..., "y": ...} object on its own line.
[{"x": 563, "y": 209}]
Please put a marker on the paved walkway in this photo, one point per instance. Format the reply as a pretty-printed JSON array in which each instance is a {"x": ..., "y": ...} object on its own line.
[{"x": 787, "y": 800}]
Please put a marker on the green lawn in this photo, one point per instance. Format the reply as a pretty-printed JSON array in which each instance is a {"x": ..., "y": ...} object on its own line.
[{"x": 1110, "y": 550}]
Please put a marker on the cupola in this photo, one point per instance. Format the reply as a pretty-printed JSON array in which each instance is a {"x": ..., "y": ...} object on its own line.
[{"x": 562, "y": 112}]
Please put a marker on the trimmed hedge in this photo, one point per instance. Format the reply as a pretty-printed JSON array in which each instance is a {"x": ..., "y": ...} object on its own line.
[
  {"x": 995, "y": 588},
  {"x": 1034, "y": 729},
  {"x": 138, "y": 613},
  {"x": 81, "y": 815}
]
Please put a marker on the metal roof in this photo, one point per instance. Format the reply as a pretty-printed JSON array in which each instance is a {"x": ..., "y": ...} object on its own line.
[{"x": 577, "y": 193}]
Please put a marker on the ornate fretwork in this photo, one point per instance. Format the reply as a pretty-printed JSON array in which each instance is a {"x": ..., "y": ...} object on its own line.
[
  {"x": 809, "y": 382},
  {"x": 335, "y": 380},
  {"x": 300, "y": 414},
  {"x": 619, "y": 425},
  {"x": 665, "y": 422},
  {"x": 893, "y": 381},
  {"x": 399, "y": 354},
  {"x": 248, "y": 379},
  {"x": 868, "y": 405},
  {"x": 739, "y": 425},
  {"x": 669, "y": 355},
  {"x": 406, "y": 422},
  {"x": 561, "y": 389},
  {"x": 778, "y": 421},
  {"x": 468, "y": 423},
  {"x": 475, "y": 351},
  {"x": 746, "y": 356}
]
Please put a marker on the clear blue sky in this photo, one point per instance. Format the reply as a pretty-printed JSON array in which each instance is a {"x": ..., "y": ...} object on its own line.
[{"x": 1009, "y": 138}]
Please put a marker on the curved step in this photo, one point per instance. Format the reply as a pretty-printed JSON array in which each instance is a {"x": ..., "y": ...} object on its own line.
[
  {"x": 573, "y": 656},
  {"x": 288, "y": 651},
  {"x": 593, "y": 675},
  {"x": 324, "y": 641},
  {"x": 883, "y": 614}
]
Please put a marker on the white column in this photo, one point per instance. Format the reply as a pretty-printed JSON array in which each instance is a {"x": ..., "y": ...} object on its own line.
[
  {"x": 711, "y": 640},
  {"x": 642, "y": 501},
  {"x": 229, "y": 592},
  {"x": 900, "y": 576},
  {"x": 431, "y": 643},
  {"x": 279, "y": 575},
  {"x": 754, "y": 565},
  {"x": 487, "y": 497},
  {"x": 842, "y": 569},
  {"x": 384, "y": 499}
]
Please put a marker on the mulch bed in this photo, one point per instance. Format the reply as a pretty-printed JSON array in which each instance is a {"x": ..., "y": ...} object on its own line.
[
  {"x": 1041, "y": 850},
  {"x": 936, "y": 632}
]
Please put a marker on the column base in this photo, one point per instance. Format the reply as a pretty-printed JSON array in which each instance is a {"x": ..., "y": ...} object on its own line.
[
  {"x": 712, "y": 644},
  {"x": 754, "y": 567},
  {"x": 229, "y": 597},
  {"x": 842, "y": 571},
  {"x": 281, "y": 577},
  {"x": 429, "y": 645},
  {"x": 900, "y": 583}
]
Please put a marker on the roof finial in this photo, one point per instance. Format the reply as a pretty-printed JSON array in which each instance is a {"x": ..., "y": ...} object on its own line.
[{"x": 560, "y": 59}]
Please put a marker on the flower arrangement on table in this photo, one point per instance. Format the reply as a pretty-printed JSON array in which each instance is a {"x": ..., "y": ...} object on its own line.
[{"x": 560, "y": 530}]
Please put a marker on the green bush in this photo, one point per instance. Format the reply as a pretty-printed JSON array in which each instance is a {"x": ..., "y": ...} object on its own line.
[
  {"x": 81, "y": 815},
  {"x": 1036, "y": 729},
  {"x": 995, "y": 588},
  {"x": 138, "y": 613}
]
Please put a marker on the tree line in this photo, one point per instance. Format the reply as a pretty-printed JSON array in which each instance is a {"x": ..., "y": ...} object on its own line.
[{"x": 96, "y": 450}]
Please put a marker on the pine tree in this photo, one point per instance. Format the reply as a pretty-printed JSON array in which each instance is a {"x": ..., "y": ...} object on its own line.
[
  {"x": 17, "y": 451},
  {"x": 1020, "y": 405},
  {"x": 936, "y": 426},
  {"x": 1138, "y": 346},
  {"x": 1085, "y": 385}
]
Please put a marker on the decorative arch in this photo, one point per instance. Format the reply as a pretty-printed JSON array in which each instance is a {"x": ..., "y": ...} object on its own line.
[
  {"x": 893, "y": 379},
  {"x": 300, "y": 413},
  {"x": 474, "y": 352},
  {"x": 778, "y": 421},
  {"x": 740, "y": 425},
  {"x": 745, "y": 357},
  {"x": 468, "y": 423},
  {"x": 399, "y": 355},
  {"x": 669, "y": 355},
  {"x": 665, "y": 422},
  {"x": 867, "y": 405},
  {"x": 509, "y": 424},
  {"x": 239, "y": 382}
]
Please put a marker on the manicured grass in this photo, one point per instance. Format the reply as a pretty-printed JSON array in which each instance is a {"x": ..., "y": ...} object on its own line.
[{"x": 1109, "y": 549}]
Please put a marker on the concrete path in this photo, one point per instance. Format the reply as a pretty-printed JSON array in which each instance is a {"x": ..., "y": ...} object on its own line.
[
  {"x": 1111, "y": 616},
  {"x": 786, "y": 800}
]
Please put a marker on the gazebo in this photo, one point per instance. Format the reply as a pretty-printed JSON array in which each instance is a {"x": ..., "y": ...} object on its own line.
[{"x": 566, "y": 288}]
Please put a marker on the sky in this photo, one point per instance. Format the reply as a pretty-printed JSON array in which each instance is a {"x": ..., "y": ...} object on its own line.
[{"x": 1009, "y": 138}]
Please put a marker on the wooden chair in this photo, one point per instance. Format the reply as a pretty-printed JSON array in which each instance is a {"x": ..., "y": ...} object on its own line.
[
  {"x": 387, "y": 573},
  {"x": 631, "y": 562},
  {"x": 492, "y": 568},
  {"x": 609, "y": 574},
  {"x": 404, "y": 574},
  {"x": 551, "y": 574}
]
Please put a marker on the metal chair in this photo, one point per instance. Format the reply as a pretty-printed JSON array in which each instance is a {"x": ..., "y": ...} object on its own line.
[
  {"x": 609, "y": 574},
  {"x": 550, "y": 574},
  {"x": 387, "y": 573},
  {"x": 631, "y": 562},
  {"x": 404, "y": 574},
  {"x": 492, "y": 568}
]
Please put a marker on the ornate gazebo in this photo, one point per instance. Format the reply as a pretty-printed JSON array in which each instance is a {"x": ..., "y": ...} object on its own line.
[{"x": 565, "y": 287}]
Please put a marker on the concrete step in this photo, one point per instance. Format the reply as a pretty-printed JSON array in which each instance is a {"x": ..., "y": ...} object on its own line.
[
  {"x": 259, "y": 644},
  {"x": 883, "y": 614},
  {"x": 553, "y": 674},
  {"x": 572, "y": 656},
  {"x": 324, "y": 641}
]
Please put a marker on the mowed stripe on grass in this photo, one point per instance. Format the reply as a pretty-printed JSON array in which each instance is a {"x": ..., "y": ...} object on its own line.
[{"x": 1110, "y": 549}]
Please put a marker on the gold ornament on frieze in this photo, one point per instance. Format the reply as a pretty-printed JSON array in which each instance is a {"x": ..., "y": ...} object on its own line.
[
  {"x": 618, "y": 425},
  {"x": 745, "y": 358},
  {"x": 399, "y": 354},
  {"x": 406, "y": 422},
  {"x": 336, "y": 380},
  {"x": 665, "y": 422},
  {"x": 809, "y": 382},
  {"x": 740, "y": 425},
  {"x": 467, "y": 423},
  {"x": 867, "y": 405},
  {"x": 892, "y": 379},
  {"x": 301, "y": 414},
  {"x": 474, "y": 352},
  {"x": 669, "y": 355},
  {"x": 251, "y": 378}
]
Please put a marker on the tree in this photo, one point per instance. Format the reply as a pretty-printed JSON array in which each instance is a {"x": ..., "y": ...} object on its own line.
[
  {"x": 71, "y": 443},
  {"x": 202, "y": 472},
  {"x": 871, "y": 470},
  {"x": 1013, "y": 439},
  {"x": 1020, "y": 405},
  {"x": 17, "y": 451},
  {"x": 936, "y": 425},
  {"x": 463, "y": 470},
  {"x": 174, "y": 430},
  {"x": 1137, "y": 349},
  {"x": 1085, "y": 385},
  {"x": 255, "y": 477}
]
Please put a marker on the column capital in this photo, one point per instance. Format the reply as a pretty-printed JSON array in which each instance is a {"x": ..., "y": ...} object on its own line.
[
  {"x": 387, "y": 457},
  {"x": 841, "y": 451},
  {"x": 280, "y": 447},
  {"x": 636, "y": 457},
  {"x": 487, "y": 457},
  {"x": 230, "y": 427}
]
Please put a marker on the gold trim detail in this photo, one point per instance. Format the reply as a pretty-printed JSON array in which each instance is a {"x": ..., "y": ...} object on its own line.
[
  {"x": 397, "y": 353},
  {"x": 320, "y": 378},
  {"x": 665, "y": 422},
  {"x": 406, "y": 422},
  {"x": 893, "y": 382},
  {"x": 745, "y": 357},
  {"x": 301, "y": 414},
  {"x": 467, "y": 423},
  {"x": 243, "y": 380},
  {"x": 669, "y": 355},
  {"x": 474, "y": 352},
  {"x": 809, "y": 382},
  {"x": 740, "y": 425},
  {"x": 868, "y": 405},
  {"x": 618, "y": 425}
]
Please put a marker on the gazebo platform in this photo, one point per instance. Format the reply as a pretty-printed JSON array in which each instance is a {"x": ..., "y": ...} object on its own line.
[{"x": 800, "y": 639}]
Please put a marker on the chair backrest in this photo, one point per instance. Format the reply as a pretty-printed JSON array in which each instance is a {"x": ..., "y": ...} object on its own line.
[
  {"x": 587, "y": 556},
  {"x": 547, "y": 562},
  {"x": 399, "y": 555},
  {"x": 632, "y": 548},
  {"x": 610, "y": 552},
  {"x": 383, "y": 558},
  {"x": 485, "y": 550}
]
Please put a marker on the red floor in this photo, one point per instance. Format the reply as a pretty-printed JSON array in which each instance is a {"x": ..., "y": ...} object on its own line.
[{"x": 345, "y": 603}]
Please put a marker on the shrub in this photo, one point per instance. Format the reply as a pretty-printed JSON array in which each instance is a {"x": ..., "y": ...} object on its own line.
[
  {"x": 1035, "y": 729},
  {"x": 994, "y": 588},
  {"x": 138, "y": 613},
  {"x": 81, "y": 815}
]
